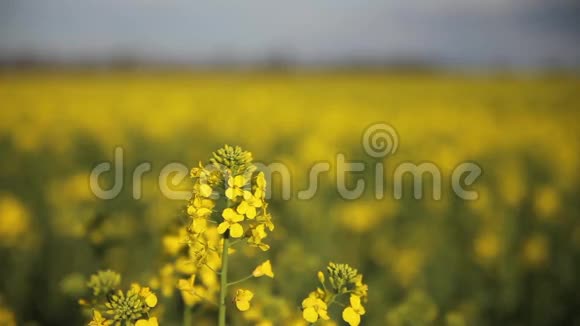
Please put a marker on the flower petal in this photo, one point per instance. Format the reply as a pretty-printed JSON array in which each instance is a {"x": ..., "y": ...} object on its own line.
[
  {"x": 223, "y": 227},
  {"x": 151, "y": 300},
  {"x": 251, "y": 212},
  {"x": 243, "y": 305},
  {"x": 310, "y": 315},
  {"x": 236, "y": 230},
  {"x": 350, "y": 316},
  {"x": 243, "y": 207},
  {"x": 205, "y": 190}
]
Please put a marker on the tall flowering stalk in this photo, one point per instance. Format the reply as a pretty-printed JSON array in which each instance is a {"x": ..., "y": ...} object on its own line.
[{"x": 227, "y": 207}]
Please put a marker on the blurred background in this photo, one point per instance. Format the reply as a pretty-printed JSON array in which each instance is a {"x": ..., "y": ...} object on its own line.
[{"x": 494, "y": 82}]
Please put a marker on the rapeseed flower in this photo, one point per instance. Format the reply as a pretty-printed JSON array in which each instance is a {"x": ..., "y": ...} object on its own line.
[
  {"x": 147, "y": 322},
  {"x": 231, "y": 222},
  {"x": 314, "y": 308},
  {"x": 99, "y": 320},
  {"x": 352, "y": 313},
  {"x": 264, "y": 268},
  {"x": 243, "y": 298}
]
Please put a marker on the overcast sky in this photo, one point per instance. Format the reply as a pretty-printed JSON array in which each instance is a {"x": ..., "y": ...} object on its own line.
[{"x": 462, "y": 32}]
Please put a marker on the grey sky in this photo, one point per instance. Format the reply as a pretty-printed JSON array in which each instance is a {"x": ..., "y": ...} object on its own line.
[{"x": 517, "y": 32}]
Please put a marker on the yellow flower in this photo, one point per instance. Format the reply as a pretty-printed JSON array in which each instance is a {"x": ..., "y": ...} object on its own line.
[
  {"x": 99, "y": 320},
  {"x": 249, "y": 204},
  {"x": 352, "y": 314},
  {"x": 145, "y": 292},
  {"x": 266, "y": 219},
  {"x": 172, "y": 244},
  {"x": 188, "y": 291},
  {"x": 314, "y": 308},
  {"x": 264, "y": 269},
  {"x": 235, "y": 185},
  {"x": 205, "y": 190},
  {"x": 258, "y": 233},
  {"x": 150, "y": 322},
  {"x": 150, "y": 297},
  {"x": 200, "y": 207},
  {"x": 198, "y": 225},
  {"x": 243, "y": 298},
  {"x": 231, "y": 222}
]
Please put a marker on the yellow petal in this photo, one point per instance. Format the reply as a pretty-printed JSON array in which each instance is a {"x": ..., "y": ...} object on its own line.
[
  {"x": 151, "y": 300},
  {"x": 236, "y": 230},
  {"x": 355, "y": 301},
  {"x": 257, "y": 202},
  {"x": 243, "y": 305},
  {"x": 323, "y": 314},
  {"x": 184, "y": 285},
  {"x": 151, "y": 322},
  {"x": 230, "y": 215},
  {"x": 237, "y": 217},
  {"x": 205, "y": 190},
  {"x": 264, "y": 269},
  {"x": 223, "y": 227},
  {"x": 203, "y": 211},
  {"x": 243, "y": 207},
  {"x": 199, "y": 225},
  {"x": 142, "y": 322},
  {"x": 239, "y": 181},
  {"x": 251, "y": 212},
  {"x": 136, "y": 287},
  {"x": 308, "y": 302},
  {"x": 263, "y": 246},
  {"x": 350, "y": 316},
  {"x": 244, "y": 295},
  {"x": 230, "y": 193},
  {"x": 310, "y": 315}
]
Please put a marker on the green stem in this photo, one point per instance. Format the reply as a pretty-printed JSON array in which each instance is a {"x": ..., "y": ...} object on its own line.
[
  {"x": 213, "y": 270},
  {"x": 233, "y": 243},
  {"x": 187, "y": 320},
  {"x": 224, "y": 282},
  {"x": 241, "y": 280}
]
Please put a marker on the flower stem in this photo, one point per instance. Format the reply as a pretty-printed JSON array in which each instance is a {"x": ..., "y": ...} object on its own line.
[
  {"x": 224, "y": 283},
  {"x": 187, "y": 316},
  {"x": 241, "y": 280},
  {"x": 210, "y": 268}
]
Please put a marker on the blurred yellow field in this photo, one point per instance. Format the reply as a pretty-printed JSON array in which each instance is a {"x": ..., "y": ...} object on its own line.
[{"x": 512, "y": 254}]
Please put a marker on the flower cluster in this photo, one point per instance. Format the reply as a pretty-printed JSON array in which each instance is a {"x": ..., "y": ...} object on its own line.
[
  {"x": 230, "y": 184},
  {"x": 104, "y": 282},
  {"x": 227, "y": 207},
  {"x": 343, "y": 280},
  {"x": 113, "y": 306}
]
